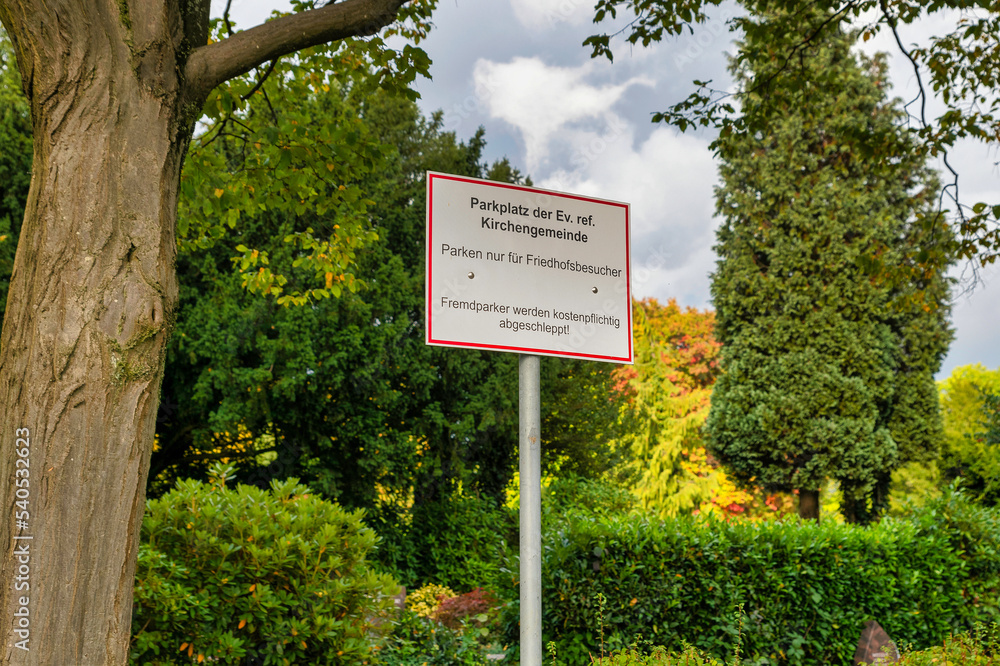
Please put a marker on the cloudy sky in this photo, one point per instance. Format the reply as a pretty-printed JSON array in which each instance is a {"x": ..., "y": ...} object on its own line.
[{"x": 517, "y": 68}]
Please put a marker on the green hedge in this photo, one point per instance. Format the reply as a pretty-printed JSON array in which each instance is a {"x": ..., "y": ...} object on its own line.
[{"x": 805, "y": 590}]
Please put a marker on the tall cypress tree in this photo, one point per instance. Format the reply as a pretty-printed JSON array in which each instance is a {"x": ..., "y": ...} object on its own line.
[{"x": 829, "y": 290}]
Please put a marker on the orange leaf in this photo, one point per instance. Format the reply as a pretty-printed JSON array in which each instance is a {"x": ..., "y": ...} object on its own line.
[
  {"x": 243, "y": 623},
  {"x": 183, "y": 647}
]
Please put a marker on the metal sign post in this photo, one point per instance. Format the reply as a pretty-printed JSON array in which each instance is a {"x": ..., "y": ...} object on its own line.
[{"x": 530, "y": 414}]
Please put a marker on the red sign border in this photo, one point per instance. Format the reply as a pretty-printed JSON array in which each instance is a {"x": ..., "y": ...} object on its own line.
[{"x": 429, "y": 337}]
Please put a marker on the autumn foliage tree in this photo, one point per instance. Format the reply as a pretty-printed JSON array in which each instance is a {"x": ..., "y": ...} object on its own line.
[{"x": 667, "y": 393}]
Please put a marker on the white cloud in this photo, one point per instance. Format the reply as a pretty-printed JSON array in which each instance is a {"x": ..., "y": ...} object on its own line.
[{"x": 540, "y": 100}]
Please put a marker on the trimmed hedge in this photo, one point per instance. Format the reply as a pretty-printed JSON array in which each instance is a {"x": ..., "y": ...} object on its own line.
[{"x": 805, "y": 590}]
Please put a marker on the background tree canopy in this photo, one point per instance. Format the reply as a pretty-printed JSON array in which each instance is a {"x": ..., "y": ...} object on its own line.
[{"x": 343, "y": 393}]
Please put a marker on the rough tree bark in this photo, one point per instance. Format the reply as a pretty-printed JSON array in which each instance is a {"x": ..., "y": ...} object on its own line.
[{"x": 115, "y": 87}]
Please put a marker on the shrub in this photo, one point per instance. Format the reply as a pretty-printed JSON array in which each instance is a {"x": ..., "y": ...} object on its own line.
[
  {"x": 243, "y": 575},
  {"x": 807, "y": 589},
  {"x": 455, "y": 611},
  {"x": 418, "y": 641},
  {"x": 425, "y": 601}
]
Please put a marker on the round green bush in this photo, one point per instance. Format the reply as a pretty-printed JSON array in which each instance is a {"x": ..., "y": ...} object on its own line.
[{"x": 247, "y": 576}]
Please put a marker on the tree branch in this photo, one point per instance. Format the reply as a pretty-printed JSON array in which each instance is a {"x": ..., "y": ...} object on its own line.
[
  {"x": 225, "y": 18},
  {"x": 215, "y": 63},
  {"x": 261, "y": 80}
]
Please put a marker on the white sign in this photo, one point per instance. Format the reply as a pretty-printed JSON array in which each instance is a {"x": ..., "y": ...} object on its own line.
[{"x": 520, "y": 269}]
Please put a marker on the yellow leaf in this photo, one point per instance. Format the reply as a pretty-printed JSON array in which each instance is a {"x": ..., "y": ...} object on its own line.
[
  {"x": 304, "y": 646},
  {"x": 329, "y": 280},
  {"x": 201, "y": 658},
  {"x": 219, "y": 193}
]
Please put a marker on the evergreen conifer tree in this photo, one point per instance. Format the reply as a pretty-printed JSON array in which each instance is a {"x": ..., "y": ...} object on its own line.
[{"x": 831, "y": 329}]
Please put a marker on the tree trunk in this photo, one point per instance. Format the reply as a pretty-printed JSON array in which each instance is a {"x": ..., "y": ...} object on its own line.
[
  {"x": 81, "y": 357},
  {"x": 114, "y": 89},
  {"x": 809, "y": 504}
]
